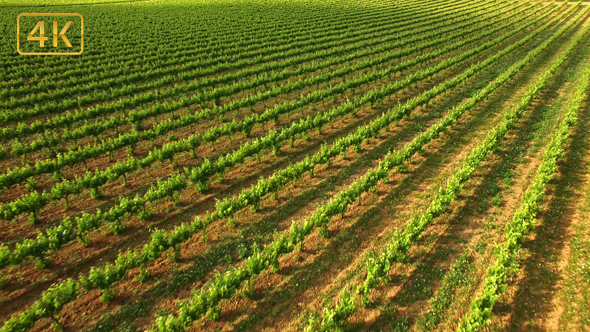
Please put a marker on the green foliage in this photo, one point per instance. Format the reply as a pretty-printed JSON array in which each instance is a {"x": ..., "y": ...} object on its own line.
[
  {"x": 206, "y": 300},
  {"x": 523, "y": 219},
  {"x": 144, "y": 274},
  {"x": 496, "y": 201},
  {"x": 108, "y": 295},
  {"x": 397, "y": 250}
]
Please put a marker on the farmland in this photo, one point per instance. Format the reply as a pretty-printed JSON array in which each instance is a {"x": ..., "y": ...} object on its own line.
[{"x": 296, "y": 165}]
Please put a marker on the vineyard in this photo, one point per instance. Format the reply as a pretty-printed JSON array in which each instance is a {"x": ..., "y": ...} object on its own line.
[{"x": 297, "y": 165}]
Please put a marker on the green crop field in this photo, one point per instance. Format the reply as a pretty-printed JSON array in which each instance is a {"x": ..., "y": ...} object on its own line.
[{"x": 294, "y": 165}]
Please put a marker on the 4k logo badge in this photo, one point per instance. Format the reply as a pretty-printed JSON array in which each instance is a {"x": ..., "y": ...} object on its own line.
[{"x": 39, "y": 35}]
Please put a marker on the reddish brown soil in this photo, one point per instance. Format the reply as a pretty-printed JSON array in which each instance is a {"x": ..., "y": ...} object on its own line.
[{"x": 364, "y": 228}]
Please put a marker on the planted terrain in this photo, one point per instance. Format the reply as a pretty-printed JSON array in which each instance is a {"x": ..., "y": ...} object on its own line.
[{"x": 274, "y": 165}]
